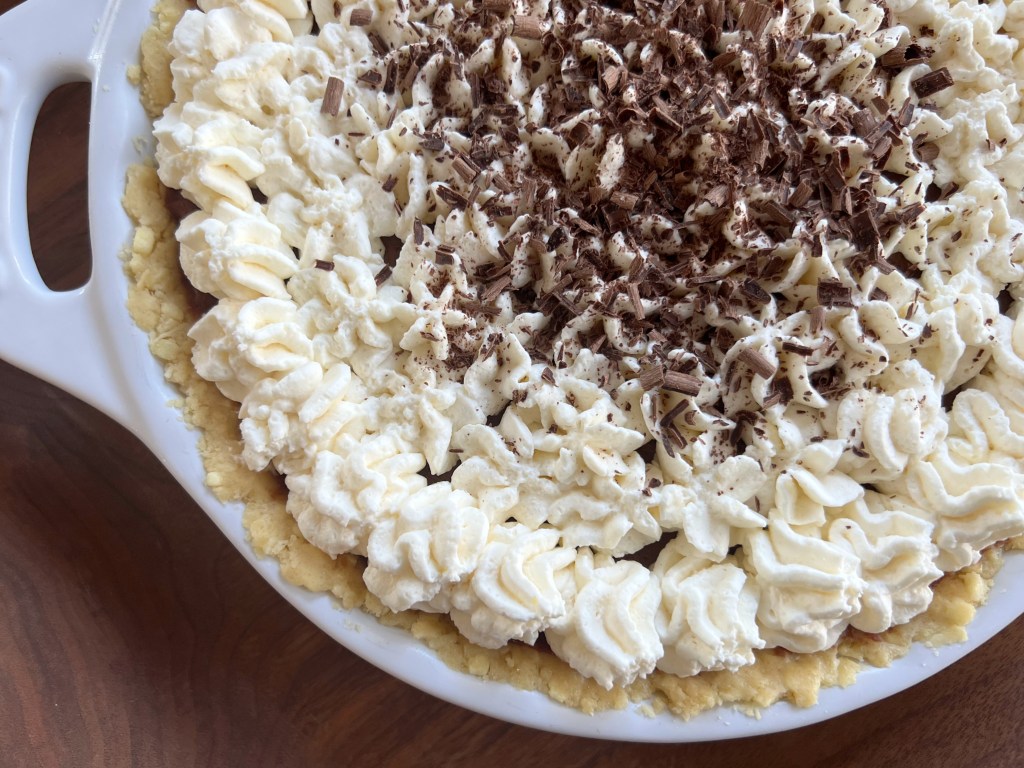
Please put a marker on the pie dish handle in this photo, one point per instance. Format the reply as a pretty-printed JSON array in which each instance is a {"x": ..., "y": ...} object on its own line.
[{"x": 58, "y": 336}]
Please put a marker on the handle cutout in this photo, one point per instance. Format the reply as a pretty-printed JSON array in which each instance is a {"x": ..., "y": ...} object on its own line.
[{"x": 58, "y": 214}]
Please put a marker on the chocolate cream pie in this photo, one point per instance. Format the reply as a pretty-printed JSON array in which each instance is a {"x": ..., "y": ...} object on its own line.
[{"x": 678, "y": 340}]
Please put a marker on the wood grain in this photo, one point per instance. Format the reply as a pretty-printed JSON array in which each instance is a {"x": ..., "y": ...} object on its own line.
[{"x": 132, "y": 634}]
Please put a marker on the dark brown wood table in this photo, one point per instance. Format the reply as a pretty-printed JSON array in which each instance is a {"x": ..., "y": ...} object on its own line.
[{"x": 132, "y": 633}]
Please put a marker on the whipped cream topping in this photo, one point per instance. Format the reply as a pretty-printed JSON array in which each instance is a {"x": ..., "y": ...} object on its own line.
[
  {"x": 708, "y": 613},
  {"x": 609, "y": 633},
  {"x": 510, "y": 291}
]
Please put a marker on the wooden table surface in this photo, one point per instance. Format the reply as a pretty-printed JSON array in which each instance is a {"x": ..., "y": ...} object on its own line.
[{"x": 132, "y": 633}]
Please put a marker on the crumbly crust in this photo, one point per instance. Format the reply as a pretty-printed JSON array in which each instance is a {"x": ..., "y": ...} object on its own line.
[{"x": 164, "y": 306}]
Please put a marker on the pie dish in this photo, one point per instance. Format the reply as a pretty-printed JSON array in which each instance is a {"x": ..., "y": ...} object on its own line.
[{"x": 92, "y": 323}]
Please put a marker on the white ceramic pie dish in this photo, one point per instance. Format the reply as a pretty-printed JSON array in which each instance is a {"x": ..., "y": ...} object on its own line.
[{"x": 85, "y": 342}]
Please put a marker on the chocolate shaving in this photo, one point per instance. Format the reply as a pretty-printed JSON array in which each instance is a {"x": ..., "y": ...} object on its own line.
[
  {"x": 360, "y": 17},
  {"x": 754, "y": 18},
  {"x": 817, "y": 319},
  {"x": 832, "y": 293},
  {"x": 906, "y": 115},
  {"x": 932, "y": 83},
  {"x": 757, "y": 362},
  {"x": 410, "y": 76},
  {"x": 495, "y": 289},
  {"x": 662, "y": 115},
  {"x": 326, "y": 266},
  {"x": 637, "y": 267},
  {"x": 909, "y": 214},
  {"x": 904, "y": 265},
  {"x": 558, "y": 238},
  {"x": 372, "y": 78},
  {"x": 674, "y": 413},
  {"x": 332, "y": 97},
  {"x": 928, "y": 151},
  {"x": 466, "y": 168},
  {"x": 527, "y": 27},
  {"x": 724, "y": 59},
  {"x": 683, "y": 383},
  {"x": 380, "y": 47},
  {"x": 797, "y": 349},
  {"x": 883, "y": 266},
  {"x": 624, "y": 200},
  {"x": 527, "y": 197},
  {"x": 652, "y": 377},
  {"x": 801, "y": 194},
  {"x": 479, "y": 185},
  {"x": 634, "y": 296},
  {"x": 865, "y": 229},
  {"x": 502, "y": 183},
  {"x": 479, "y": 308},
  {"x": 721, "y": 106},
  {"x": 432, "y": 143},
  {"x": 383, "y": 275},
  {"x": 613, "y": 78},
  {"x": 444, "y": 256},
  {"x": 880, "y": 149},
  {"x": 832, "y": 175},
  {"x": 784, "y": 388},
  {"x": 902, "y": 56},
  {"x": 753, "y": 291},
  {"x": 451, "y": 197},
  {"x": 719, "y": 195},
  {"x": 392, "y": 249},
  {"x": 777, "y": 212},
  {"x": 390, "y": 78},
  {"x": 863, "y": 122}
]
